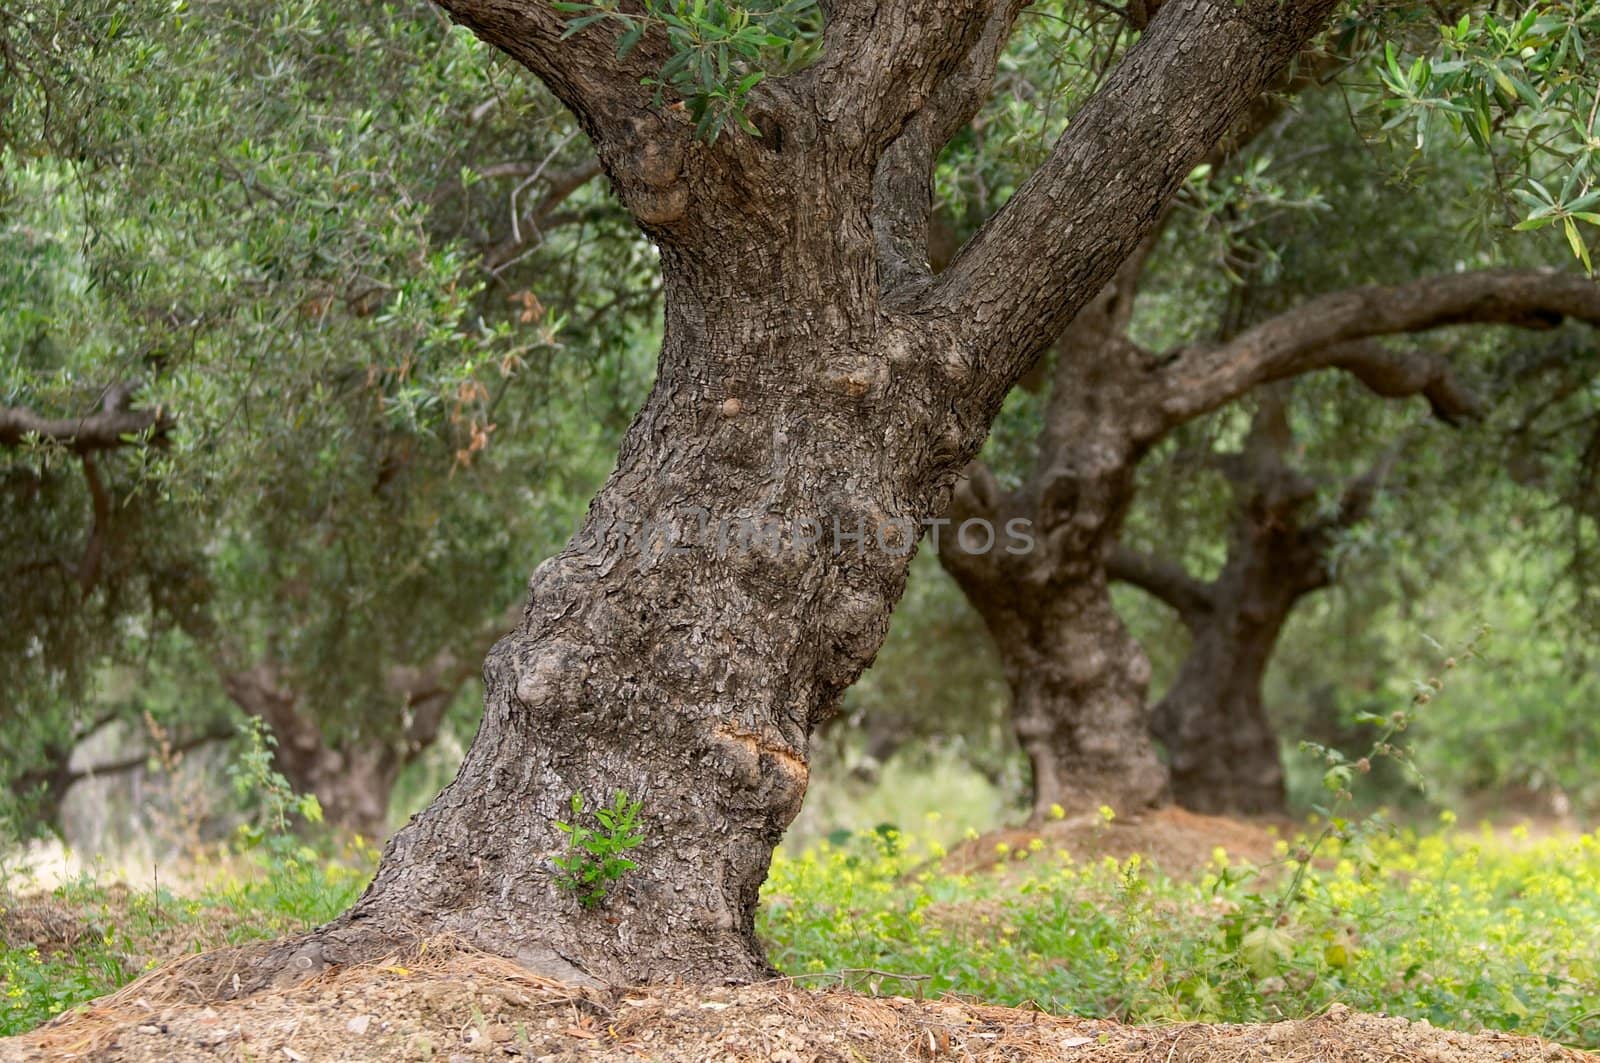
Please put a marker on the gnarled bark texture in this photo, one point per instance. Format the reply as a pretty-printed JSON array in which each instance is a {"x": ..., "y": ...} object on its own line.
[{"x": 803, "y": 376}]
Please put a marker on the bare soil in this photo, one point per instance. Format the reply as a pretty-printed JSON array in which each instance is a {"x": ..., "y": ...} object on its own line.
[
  {"x": 1177, "y": 841},
  {"x": 455, "y": 1005}
]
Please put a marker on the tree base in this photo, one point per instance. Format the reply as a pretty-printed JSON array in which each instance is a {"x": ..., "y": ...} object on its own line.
[{"x": 1231, "y": 798}]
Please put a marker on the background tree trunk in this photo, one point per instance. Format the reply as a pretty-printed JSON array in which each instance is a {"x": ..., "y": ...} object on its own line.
[
  {"x": 1079, "y": 680},
  {"x": 351, "y": 780},
  {"x": 1078, "y": 683},
  {"x": 1224, "y": 750}
]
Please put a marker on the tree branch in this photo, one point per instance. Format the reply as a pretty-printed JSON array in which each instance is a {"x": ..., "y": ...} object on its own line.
[
  {"x": 583, "y": 71},
  {"x": 976, "y": 494},
  {"x": 1397, "y": 375},
  {"x": 902, "y": 187},
  {"x": 559, "y": 187},
  {"x": 1322, "y": 333},
  {"x": 649, "y": 152},
  {"x": 59, "y": 778},
  {"x": 107, "y": 429},
  {"x": 1163, "y": 579},
  {"x": 216, "y": 733},
  {"x": 1018, "y": 282},
  {"x": 883, "y": 61}
]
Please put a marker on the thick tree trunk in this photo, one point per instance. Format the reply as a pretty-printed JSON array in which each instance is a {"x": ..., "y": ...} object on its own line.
[
  {"x": 792, "y": 387},
  {"x": 1223, "y": 750},
  {"x": 1078, "y": 683},
  {"x": 686, "y": 674}
]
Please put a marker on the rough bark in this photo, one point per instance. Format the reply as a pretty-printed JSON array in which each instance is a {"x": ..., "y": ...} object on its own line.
[
  {"x": 789, "y": 387},
  {"x": 1063, "y": 644}
]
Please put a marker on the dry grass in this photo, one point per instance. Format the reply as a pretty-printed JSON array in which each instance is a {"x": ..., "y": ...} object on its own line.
[{"x": 450, "y": 1003}]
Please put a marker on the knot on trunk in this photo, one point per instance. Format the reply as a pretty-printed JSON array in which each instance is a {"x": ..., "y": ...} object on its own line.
[
  {"x": 647, "y": 168},
  {"x": 552, "y": 674},
  {"x": 769, "y": 768}
]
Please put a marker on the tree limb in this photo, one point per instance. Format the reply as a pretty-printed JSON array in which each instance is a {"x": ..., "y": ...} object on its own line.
[
  {"x": 1397, "y": 375},
  {"x": 559, "y": 187},
  {"x": 583, "y": 70},
  {"x": 216, "y": 733},
  {"x": 1323, "y": 333},
  {"x": 106, "y": 429},
  {"x": 1018, "y": 282},
  {"x": 902, "y": 187},
  {"x": 883, "y": 61},
  {"x": 975, "y": 495},
  {"x": 59, "y": 777},
  {"x": 1163, "y": 579}
]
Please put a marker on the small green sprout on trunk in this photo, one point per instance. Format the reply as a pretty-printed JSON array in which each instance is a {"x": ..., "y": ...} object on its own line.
[{"x": 594, "y": 858}]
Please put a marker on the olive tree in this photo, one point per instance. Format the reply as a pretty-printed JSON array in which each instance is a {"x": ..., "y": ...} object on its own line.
[{"x": 811, "y": 373}]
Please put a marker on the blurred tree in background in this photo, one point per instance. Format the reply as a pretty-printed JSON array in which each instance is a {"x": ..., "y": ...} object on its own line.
[{"x": 384, "y": 323}]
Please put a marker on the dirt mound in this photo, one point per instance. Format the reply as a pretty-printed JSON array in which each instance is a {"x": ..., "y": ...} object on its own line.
[
  {"x": 44, "y": 924},
  {"x": 148, "y": 932},
  {"x": 1177, "y": 841},
  {"x": 459, "y": 1006}
]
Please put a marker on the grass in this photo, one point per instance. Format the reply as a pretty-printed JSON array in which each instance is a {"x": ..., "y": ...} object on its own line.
[
  {"x": 87, "y": 938},
  {"x": 1468, "y": 929}
]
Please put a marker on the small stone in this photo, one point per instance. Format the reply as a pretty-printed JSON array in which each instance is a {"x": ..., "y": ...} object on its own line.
[
  {"x": 732, "y": 407},
  {"x": 149, "y": 1029},
  {"x": 359, "y": 1024}
]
